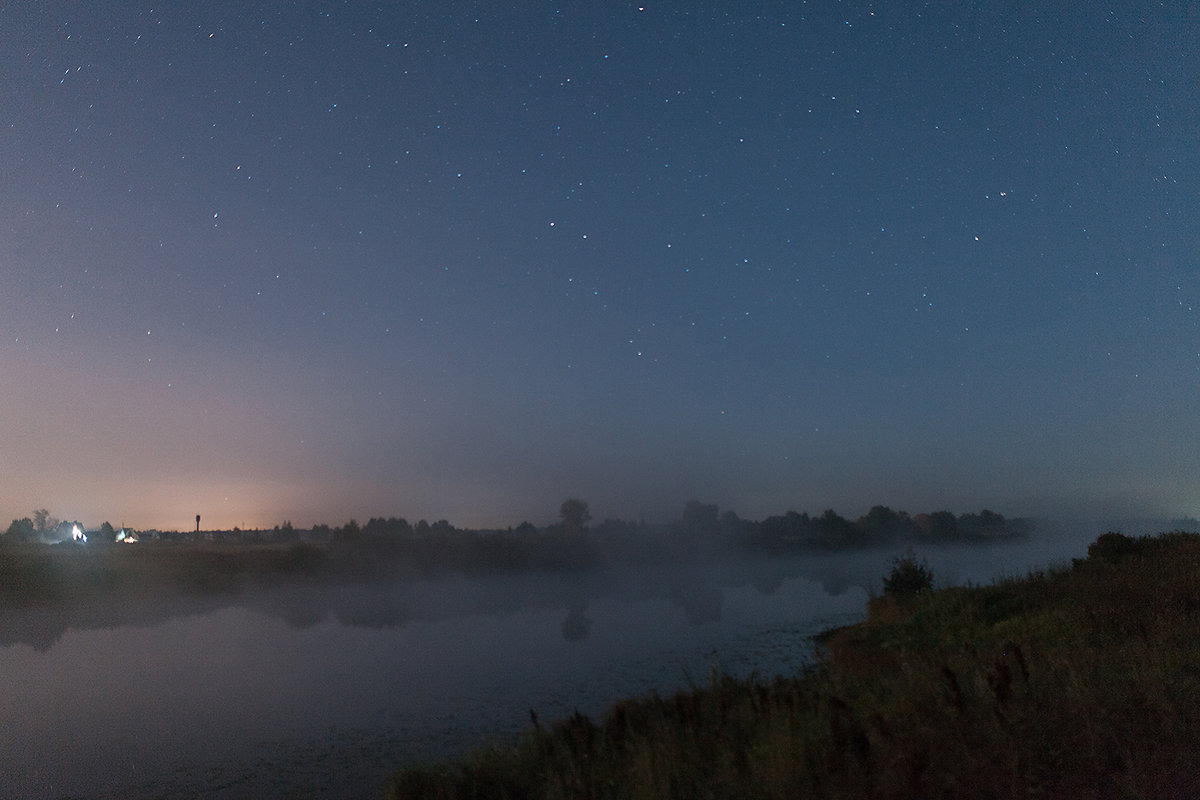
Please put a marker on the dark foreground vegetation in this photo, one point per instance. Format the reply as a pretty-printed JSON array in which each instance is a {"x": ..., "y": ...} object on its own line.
[{"x": 1080, "y": 681}]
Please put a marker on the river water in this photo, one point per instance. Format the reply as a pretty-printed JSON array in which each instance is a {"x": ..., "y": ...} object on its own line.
[{"x": 322, "y": 691}]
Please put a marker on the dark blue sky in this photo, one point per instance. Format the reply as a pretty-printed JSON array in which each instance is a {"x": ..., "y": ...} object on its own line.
[{"x": 321, "y": 260}]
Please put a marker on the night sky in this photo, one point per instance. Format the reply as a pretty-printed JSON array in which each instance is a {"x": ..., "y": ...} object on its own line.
[{"x": 319, "y": 260}]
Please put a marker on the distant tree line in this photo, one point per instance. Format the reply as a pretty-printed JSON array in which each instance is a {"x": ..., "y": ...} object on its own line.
[
  {"x": 384, "y": 546},
  {"x": 571, "y": 542},
  {"x": 880, "y": 525},
  {"x": 387, "y": 546}
]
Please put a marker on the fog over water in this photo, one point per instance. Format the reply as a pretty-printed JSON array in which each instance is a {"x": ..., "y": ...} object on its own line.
[{"x": 325, "y": 689}]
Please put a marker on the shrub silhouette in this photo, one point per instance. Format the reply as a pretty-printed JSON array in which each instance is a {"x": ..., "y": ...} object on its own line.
[
  {"x": 909, "y": 577},
  {"x": 1112, "y": 546}
]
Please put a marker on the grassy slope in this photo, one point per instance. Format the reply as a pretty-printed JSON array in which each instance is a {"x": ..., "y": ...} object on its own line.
[{"x": 1082, "y": 682}]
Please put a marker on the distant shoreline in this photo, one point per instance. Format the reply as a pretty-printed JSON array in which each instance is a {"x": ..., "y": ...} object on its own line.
[{"x": 90, "y": 567}]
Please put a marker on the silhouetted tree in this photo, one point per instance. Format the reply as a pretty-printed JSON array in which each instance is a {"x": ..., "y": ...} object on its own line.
[
  {"x": 939, "y": 525},
  {"x": 575, "y": 516},
  {"x": 833, "y": 530},
  {"x": 883, "y": 523},
  {"x": 21, "y": 530},
  {"x": 43, "y": 522},
  {"x": 390, "y": 528},
  {"x": 985, "y": 523}
]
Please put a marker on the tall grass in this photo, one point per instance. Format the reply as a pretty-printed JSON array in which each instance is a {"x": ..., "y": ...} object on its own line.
[{"x": 1082, "y": 682}]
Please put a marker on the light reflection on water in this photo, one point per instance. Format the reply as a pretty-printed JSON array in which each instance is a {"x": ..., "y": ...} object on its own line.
[{"x": 321, "y": 692}]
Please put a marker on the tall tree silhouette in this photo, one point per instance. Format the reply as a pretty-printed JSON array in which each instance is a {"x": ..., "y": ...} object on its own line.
[{"x": 575, "y": 516}]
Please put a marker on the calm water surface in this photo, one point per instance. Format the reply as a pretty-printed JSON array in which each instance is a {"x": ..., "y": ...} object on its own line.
[{"x": 321, "y": 692}]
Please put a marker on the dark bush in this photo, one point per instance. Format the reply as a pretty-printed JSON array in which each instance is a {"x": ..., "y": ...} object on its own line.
[
  {"x": 1112, "y": 546},
  {"x": 909, "y": 577}
]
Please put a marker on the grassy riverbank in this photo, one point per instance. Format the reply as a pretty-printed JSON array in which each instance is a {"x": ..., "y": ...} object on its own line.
[
  {"x": 1082, "y": 681},
  {"x": 35, "y": 575}
]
